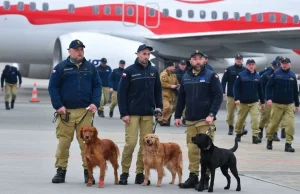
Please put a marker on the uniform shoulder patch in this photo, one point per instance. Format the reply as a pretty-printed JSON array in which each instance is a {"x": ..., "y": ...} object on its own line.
[
  {"x": 124, "y": 75},
  {"x": 216, "y": 76},
  {"x": 54, "y": 71},
  {"x": 237, "y": 76}
]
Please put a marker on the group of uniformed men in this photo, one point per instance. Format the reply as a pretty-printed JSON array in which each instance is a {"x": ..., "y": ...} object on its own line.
[{"x": 76, "y": 87}]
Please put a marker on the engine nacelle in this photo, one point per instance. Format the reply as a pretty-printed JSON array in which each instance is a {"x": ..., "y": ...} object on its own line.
[
  {"x": 36, "y": 71},
  {"x": 97, "y": 46}
]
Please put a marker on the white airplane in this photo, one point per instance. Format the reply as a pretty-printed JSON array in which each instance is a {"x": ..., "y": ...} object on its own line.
[{"x": 36, "y": 34}]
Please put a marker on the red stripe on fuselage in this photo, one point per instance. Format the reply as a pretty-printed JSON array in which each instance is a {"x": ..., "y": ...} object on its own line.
[{"x": 167, "y": 25}]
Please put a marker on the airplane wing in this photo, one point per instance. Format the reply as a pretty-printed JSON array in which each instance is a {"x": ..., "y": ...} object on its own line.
[{"x": 227, "y": 44}]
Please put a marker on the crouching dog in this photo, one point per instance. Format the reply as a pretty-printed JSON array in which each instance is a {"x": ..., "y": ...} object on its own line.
[
  {"x": 213, "y": 157},
  {"x": 97, "y": 152},
  {"x": 156, "y": 155}
]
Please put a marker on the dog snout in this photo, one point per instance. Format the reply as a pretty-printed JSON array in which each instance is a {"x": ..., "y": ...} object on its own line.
[
  {"x": 86, "y": 137},
  {"x": 148, "y": 141}
]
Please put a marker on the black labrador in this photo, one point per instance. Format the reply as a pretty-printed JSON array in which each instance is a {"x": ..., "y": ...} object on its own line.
[{"x": 213, "y": 157}]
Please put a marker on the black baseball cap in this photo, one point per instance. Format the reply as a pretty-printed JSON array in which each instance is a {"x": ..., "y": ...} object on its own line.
[
  {"x": 195, "y": 52},
  {"x": 250, "y": 61},
  {"x": 122, "y": 62},
  {"x": 75, "y": 44},
  {"x": 285, "y": 60},
  {"x": 144, "y": 46},
  {"x": 239, "y": 57},
  {"x": 103, "y": 60},
  {"x": 275, "y": 64}
]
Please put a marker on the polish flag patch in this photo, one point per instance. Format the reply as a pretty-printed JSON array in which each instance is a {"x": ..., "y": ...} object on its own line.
[
  {"x": 53, "y": 71},
  {"x": 124, "y": 75}
]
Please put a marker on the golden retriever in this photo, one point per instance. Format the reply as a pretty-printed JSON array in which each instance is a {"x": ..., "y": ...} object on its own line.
[
  {"x": 156, "y": 155},
  {"x": 97, "y": 152}
]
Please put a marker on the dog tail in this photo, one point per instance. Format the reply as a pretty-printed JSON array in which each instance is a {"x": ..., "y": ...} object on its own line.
[{"x": 235, "y": 147}]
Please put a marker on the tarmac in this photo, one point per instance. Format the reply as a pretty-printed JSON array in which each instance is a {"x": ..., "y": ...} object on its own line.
[{"x": 28, "y": 145}]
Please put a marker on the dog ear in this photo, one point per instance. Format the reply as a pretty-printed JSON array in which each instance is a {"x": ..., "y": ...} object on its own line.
[
  {"x": 81, "y": 133},
  {"x": 95, "y": 132},
  {"x": 156, "y": 141}
]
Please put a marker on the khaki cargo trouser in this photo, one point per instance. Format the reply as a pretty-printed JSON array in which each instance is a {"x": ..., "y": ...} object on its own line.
[
  {"x": 167, "y": 110},
  {"x": 65, "y": 133},
  {"x": 104, "y": 97},
  {"x": 231, "y": 106},
  {"x": 243, "y": 110},
  {"x": 145, "y": 124},
  {"x": 279, "y": 112},
  {"x": 193, "y": 150},
  {"x": 114, "y": 100},
  {"x": 265, "y": 118},
  {"x": 10, "y": 89}
]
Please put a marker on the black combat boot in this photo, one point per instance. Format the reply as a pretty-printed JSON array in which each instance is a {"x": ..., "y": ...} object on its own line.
[
  {"x": 288, "y": 148},
  {"x": 12, "y": 103},
  {"x": 169, "y": 121},
  {"x": 230, "y": 132},
  {"x": 86, "y": 176},
  {"x": 260, "y": 134},
  {"x": 256, "y": 140},
  {"x": 111, "y": 113},
  {"x": 283, "y": 133},
  {"x": 7, "y": 105},
  {"x": 165, "y": 124},
  {"x": 206, "y": 184},
  {"x": 60, "y": 176},
  {"x": 139, "y": 179},
  {"x": 191, "y": 182},
  {"x": 269, "y": 145},
  {"x": 123, "y": 178},
  {"x": 238, "y": 137},
  {"x": 245, "y": 131},
  {"x": 100, "y": 113},
  {"x": 275, "y": 137}
]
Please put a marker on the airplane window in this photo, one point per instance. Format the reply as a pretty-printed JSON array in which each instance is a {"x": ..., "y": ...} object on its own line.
[
  {"x": 165, "y": 12},
  {"x": 106, "y": 10},
  {"x": 202, "y": 14},
  {"x": 96, "y": 9},
  {"x": 248, "y": 17},
  {"x": 296, "y": 19},
  {"x": 118, "y": 10},
  {"x": 32, "y": 6},
  {"x": 225, "y": 15},
  {"x": 190, "y": 13},
  {"x": 152, "y": 12},
  {"x": 214, "y": 15},
  {"x": 260, "y": 17},
  {"x": 236, "y": 16},
  {"x": 20, "y": 6},
  {"x": 71, "y": 8},
  {"x": 6, "y": 5},
  {"x": 130, "y": 11},
  {"x": 178, "y": 13},
  {"x": 45, "y": 6},
  {"x": 272, "y": 18},
  {"x": 283, "y": 18}
]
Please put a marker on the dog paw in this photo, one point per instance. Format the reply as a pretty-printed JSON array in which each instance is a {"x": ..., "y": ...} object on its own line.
[
  {"x": 210, "y": 190},
  {"x": 226, "y": 188},
  {"x": 157, "y": 185},
  {"x": 89, "y": 184},
  {"x": 238, "y": 189},
  {"x": 144, "y": 184},
  {"x": 172, "y": 182}
]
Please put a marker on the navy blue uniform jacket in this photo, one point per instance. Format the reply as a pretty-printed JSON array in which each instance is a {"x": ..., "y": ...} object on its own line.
[
  {"x": 11, "y": 76},
  {"x": 104, "y": 73},
  {"x": 230, "y": 77},
  {"x": 248, "y": 88},
  {"x": 179, "y": 73},
  {"x": 201, "y": 95},
  {"x": 208, "y": 66},
  {"x": 265, "y": 70},
  {"x": 264, "y": 80},
  {"x": 139, "y": 91},
  {"x": 282, "y": 87},
  {"x": 114, "y": 78},
  {"x": 74, "y": 87}
]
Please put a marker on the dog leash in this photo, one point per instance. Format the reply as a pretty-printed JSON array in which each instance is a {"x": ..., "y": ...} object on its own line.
[
  {"x": 208, "y": 132},
  {"x": 155, "y": 126}
]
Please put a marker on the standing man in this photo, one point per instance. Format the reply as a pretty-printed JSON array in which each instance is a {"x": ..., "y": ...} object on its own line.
[
  {"x": 169, "y": 84},
  {"x": 74, "y": 85},
  {"x": 201, "y": 93},
  {"x": 282, "y": 95},
  {"x": 229, "y": 77},
  {"x": 104, "y": 71},
  {"x": 265, "y": 114},
  {"x": 208, "y": 66},
  {"x": 247, "y": 91},
  {"x": 278, "y": 58},
  {"x": 10, "y": 74},
  {"x": 139, "y": 97},
  {"x": 180, "y": 71},
  {"x": 113, "y": 82}
]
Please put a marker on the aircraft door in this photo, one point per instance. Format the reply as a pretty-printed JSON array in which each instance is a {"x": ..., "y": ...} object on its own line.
[
  {"x": 151, "y": 15},
  {"x": 130, "y": 13}
]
